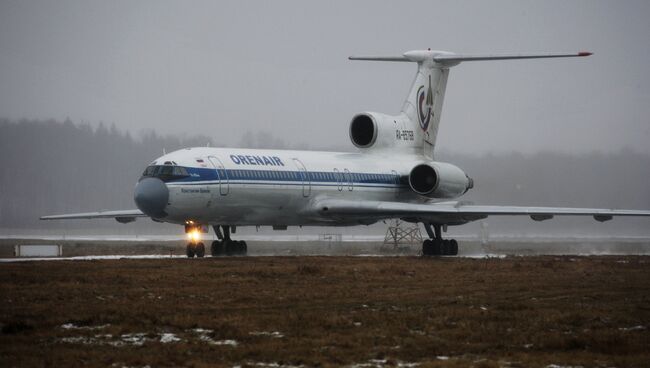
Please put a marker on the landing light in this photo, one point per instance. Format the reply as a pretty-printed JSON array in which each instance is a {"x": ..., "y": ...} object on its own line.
[{"x": 194, "y": 235}]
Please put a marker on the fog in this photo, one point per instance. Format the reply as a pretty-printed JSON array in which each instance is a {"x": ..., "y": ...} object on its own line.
[
  {"x": 51, "y": 167},
  {"x": 96, "y": 90},
  {"x": 220, "y": 69}
]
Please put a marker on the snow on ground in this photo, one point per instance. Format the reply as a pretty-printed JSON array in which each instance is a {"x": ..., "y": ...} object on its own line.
[{"x": 275, "y": 334}]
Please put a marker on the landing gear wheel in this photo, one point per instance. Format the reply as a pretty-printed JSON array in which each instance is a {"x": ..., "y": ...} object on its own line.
[
  {"x": 445, "y": 248},
  {"x": 230, "y": 247},
  {"x": 453, "y": 245},
  {"x": 199, "y": 250},
  {"x": 216, "y": 249},
  {"x": 436, "y": 247},
  {"x": 427, "y": 248},
  {"x": 189, "y": 250},
  {"x": 243, "y": 248}
]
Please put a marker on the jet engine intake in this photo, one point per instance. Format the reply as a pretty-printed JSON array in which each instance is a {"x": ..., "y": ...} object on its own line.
[
  {"x": 363, "y": 130},
  {"x": 439, "y": 180},
  {"x": 372, "y": 129}
]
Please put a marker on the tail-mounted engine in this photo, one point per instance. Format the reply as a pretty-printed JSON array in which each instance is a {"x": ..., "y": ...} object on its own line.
[
  {"x": 439, "y": 180},
  {"x": 371, "y": 129}
]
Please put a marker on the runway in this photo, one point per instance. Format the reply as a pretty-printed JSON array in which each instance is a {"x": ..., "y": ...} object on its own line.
[
  {"x": 150, "y": 247},
  {"x": 161, "y": 256}
]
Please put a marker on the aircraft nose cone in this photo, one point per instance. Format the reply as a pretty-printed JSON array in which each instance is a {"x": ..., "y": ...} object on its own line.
[{"x": 151, "y": 196}]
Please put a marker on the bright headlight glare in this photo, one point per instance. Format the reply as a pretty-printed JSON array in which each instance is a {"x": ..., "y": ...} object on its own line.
[{"x": 194, "y": 235}]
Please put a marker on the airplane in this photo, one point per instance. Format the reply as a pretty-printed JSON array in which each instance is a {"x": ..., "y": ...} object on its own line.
[{"x": 392, "y": 175}]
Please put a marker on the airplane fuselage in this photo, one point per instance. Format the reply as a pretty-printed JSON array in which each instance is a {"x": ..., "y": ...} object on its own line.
[{"x": 278, "y": 187}]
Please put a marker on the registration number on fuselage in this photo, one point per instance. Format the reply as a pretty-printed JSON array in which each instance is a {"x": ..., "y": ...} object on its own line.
[{"x": 404, "y": 135}]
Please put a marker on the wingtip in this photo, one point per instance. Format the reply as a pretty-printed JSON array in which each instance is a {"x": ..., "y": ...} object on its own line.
[{"x": 585, "y": 53}]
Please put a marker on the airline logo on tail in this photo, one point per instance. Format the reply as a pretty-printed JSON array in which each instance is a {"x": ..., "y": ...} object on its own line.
[{"x": 425, "y": 106}]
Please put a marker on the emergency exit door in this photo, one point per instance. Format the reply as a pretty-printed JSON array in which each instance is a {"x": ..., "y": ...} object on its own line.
[
  {"x": 304, "y": 177},
  {"x": 224, "y": 185}
]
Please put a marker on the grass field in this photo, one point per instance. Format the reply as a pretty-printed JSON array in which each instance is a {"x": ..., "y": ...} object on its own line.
[{"x": 327, "y": 311}]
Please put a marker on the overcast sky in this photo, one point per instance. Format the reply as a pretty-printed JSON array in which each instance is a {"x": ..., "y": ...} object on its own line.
[{"x": 223, "y": 68}]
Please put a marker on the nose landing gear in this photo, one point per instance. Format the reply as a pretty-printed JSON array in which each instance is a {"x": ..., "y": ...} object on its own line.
[
  {"x": 225, "y": 245},
  {"x": 437, "y": 246},
  {"x": 195, "y": 249}
]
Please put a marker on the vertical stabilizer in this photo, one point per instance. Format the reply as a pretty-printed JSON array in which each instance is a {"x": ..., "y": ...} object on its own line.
[{"x": 423, "y": 106}]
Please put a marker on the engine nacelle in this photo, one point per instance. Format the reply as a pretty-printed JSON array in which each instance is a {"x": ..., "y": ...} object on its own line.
[
  {"x": 371, "y": 129},
  {"x": 439, "y": 180}
]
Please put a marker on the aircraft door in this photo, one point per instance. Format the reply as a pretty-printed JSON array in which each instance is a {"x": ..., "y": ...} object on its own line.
[
  {"x": 224, "y": 184},
  {"x": 339, "y": 179},
  {"x": 304, "y": 176},
  {"x": 348, "y": 178}
]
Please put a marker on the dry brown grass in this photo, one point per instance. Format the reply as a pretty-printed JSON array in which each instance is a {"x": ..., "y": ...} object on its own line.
[{"x": 331, "y": 311}]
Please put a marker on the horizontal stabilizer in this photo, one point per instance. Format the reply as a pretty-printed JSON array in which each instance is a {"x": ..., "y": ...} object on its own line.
[
  {"x": 450, "y": 59},
  {"x": 379, "y": 58},
  {"x": 454, "y": 59}
]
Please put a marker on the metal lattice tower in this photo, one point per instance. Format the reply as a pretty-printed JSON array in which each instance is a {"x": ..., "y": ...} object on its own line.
[{"x": 398, "y": 235}]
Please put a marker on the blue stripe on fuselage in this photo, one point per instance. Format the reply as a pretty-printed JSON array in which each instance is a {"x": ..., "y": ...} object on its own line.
[{"x": 206, "y": 174}]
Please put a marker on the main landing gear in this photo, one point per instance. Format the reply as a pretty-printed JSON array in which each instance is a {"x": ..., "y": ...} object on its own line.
[
  {"x": 436, "y": 245},
  {"x": 225, "y": 245}
]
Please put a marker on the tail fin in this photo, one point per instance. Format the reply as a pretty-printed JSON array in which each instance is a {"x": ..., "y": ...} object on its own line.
[{"x": 423, "y": 105}]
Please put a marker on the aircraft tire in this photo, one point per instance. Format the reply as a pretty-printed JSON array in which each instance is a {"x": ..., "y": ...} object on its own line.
[
  {"x": 436, "y": 247},
  {"x": 453, "y": 245},
  {"x": 445, "y": 248},
  {"x": 199, "y": 250},
  {"x": 216, "y": 249},
  {"x": 189, "y": 250},
  {"x": 427, "y": 247},
  {"x": 243, "y": 248},
  {"x": 230, "y": 247}
]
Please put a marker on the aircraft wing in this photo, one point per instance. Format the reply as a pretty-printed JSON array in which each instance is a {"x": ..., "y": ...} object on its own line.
[
  {"x": 457, "y": 212},
  {"x": 123, "y": 216}
]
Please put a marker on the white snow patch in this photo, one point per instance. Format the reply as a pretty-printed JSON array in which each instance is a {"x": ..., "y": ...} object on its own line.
[
  {"x": 78, "y": 340},
  {"x": 133, "y": 339},
  {"x": 166, "y": 338},
  {"x": 274, "y": 334},
  {"x": 633, "y": 328},
  {"x": 381, "y": 363},
  {"x": 442, "y": 357},
  {"x": 72, "y": 326},
  {"x": 204, "y": 335}
]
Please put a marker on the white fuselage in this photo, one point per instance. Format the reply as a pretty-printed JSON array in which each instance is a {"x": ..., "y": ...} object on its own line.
[{"x": 279, "y": 187}]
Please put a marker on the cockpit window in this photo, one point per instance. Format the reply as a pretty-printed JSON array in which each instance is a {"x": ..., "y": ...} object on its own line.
[
  {"x": 149, "y": 171},
  {"x": 165, "y": 172}
]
